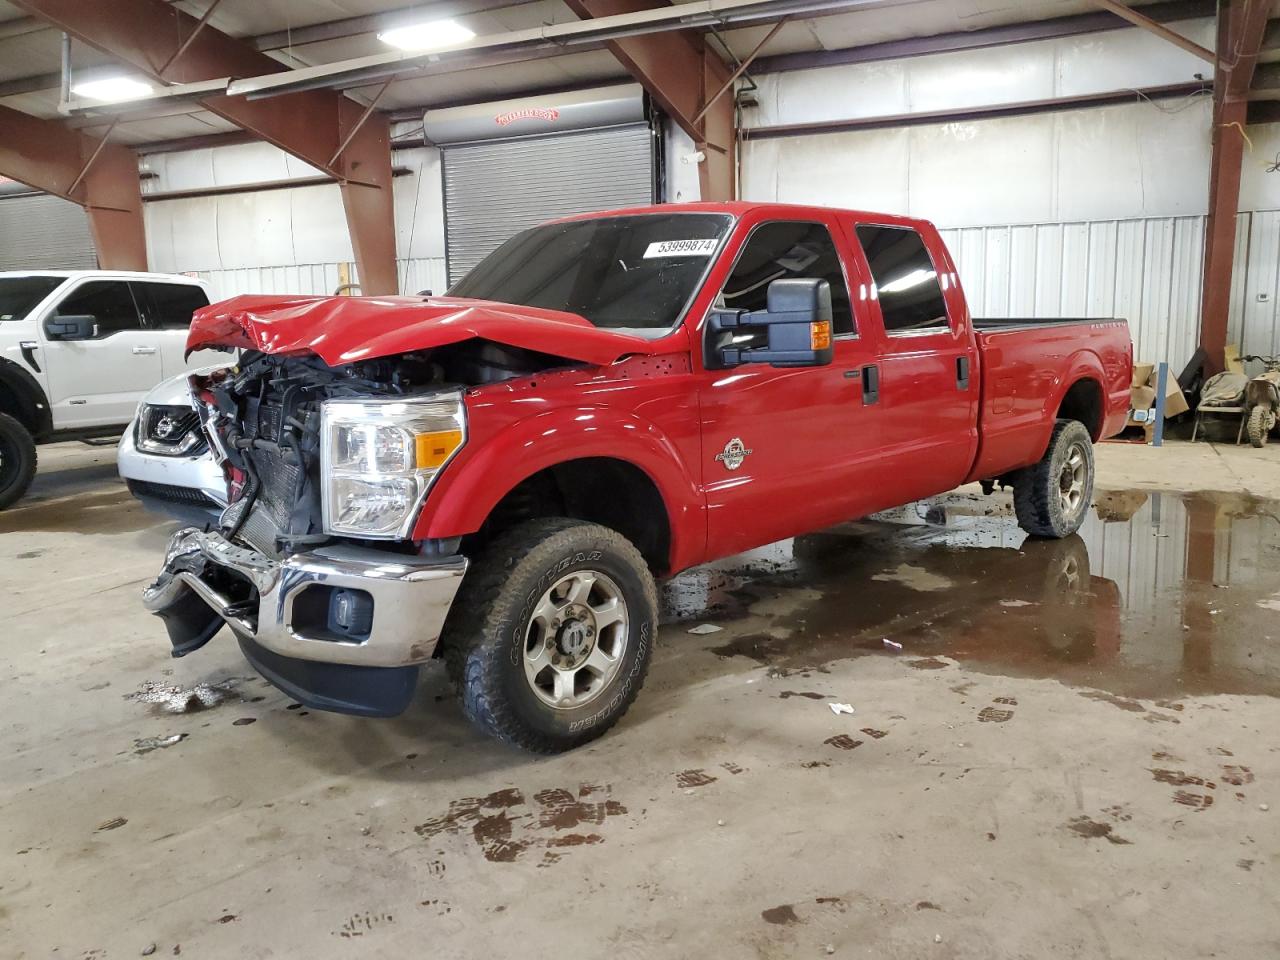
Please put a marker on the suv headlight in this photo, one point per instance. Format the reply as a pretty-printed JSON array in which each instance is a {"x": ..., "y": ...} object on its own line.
[
  {"x": 170, "y": 430},
  {"x": 378, "y": 458}
]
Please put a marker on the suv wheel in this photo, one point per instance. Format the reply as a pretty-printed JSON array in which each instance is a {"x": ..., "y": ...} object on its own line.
[
  {"x": 17, "y": 460},
  {"x": 1052, "y": 497},
  {"x": 551, "y": 635}
]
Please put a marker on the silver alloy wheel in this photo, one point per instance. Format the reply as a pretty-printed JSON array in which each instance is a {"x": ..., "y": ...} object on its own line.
[
  {"x": 1072, "y": 481},
  {"x": 575, "y": 639}
]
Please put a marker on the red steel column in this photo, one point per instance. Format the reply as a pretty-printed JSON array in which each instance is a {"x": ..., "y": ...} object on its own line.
[
  {"x": 48, "y": 156},
  {"x": 681, "y": 73},
  {"x": 1241, "y": 26},
  {"x": 312, "y": 125}
]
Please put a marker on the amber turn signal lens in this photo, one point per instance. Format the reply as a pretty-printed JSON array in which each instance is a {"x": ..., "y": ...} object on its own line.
[
  {"x": 433, "y": 449},
  {"x": 820, "y": 335}
]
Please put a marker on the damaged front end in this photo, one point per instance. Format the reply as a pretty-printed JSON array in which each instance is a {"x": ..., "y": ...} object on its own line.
[
  {"x": 339, "y": 628},
  {"x": 311, "y": 566},
  {"x": 331, "y": 432}
]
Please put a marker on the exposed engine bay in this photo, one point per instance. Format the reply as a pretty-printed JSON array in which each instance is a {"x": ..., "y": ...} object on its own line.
[{"x": 264, "y": 420}]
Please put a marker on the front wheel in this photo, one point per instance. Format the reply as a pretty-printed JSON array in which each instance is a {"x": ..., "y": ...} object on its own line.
[
  {"x": 17, "y": 460},
  {"x": 550, "y": 638},
  {"x": 1052, "y": 497},
  {"x": 1260, "y": 422}
]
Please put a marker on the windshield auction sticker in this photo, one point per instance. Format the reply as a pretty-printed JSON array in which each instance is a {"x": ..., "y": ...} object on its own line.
[{"x": 681, "y": 248}]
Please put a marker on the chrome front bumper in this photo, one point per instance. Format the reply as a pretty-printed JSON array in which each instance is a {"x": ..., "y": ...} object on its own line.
[{"x": 411, "y": 597}]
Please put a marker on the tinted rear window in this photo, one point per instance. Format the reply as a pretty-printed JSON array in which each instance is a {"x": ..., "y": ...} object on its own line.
[
  {"x": 907, "y": 283},
  {"x": 169, "y": 305}
]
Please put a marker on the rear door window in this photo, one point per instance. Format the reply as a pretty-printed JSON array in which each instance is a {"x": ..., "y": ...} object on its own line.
[
  {"x": 169, "y": 306},
  {"x": 905, "y": 279},
  {"x": 109, "y": 301}
]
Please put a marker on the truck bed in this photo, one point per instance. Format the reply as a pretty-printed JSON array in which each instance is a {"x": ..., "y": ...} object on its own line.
[
  {"x": 1014, "y": 323},
  {"x": 1025, "y": 367}
]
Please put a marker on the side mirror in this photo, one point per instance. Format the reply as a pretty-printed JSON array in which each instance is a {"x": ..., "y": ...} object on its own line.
[
  {"x": 797, "y": 319},
  {"x": 80, "y": 326}
]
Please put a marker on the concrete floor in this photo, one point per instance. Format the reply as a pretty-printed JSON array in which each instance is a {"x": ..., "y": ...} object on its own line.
[{"x": 1074, "y": 754}]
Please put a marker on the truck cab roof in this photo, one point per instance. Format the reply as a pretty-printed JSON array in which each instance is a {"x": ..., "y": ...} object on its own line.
[
  {"x": 105, "y": 275},
  {"x": 740, "y": 208}
]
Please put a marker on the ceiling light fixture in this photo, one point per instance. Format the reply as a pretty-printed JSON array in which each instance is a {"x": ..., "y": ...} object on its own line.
[
  {"x": 113, "y": 89},
  {"x": 426, "y": 36}
]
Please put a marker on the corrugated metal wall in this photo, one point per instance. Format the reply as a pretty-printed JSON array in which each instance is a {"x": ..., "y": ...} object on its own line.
[
  {"x": 1255, "y": 317},
  {"x": 318, "y": 278},
  {"x": 1147, "y": 271}
]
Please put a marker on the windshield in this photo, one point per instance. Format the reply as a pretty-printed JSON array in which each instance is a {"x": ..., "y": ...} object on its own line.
[
  {"x": 19, "y": 295},
  {"x": 633, "y": 274}
]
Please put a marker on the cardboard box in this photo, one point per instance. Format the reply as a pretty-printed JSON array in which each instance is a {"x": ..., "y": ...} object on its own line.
[
  {"x": 1142, "y": 373},
  {"x": 1142, "y": 398},
  {"x": 1174, "y": 400}
]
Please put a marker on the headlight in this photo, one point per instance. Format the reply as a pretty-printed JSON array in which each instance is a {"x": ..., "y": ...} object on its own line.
[
  {"x": 168, "y": 430},
  {"x": 378, "y": 458}
]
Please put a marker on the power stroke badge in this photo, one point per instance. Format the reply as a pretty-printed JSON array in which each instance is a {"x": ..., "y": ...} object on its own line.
[{"x": 734, "y": 452}]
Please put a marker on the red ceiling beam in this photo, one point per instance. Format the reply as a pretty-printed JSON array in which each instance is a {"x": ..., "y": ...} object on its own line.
[
  {"x": 682, "y": 73},
  {"x": 1241, "y": 25},
  {"x": 148, "y": 35},
  {"x": 1159, "y": 29},
  {"x": 101, "y": 177}
]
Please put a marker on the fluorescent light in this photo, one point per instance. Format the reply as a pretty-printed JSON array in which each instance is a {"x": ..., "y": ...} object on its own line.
[
  {"x": 909, "y": 281},
  {"x": 113, "y": 89},
  {"x": 427, "y": 36}
]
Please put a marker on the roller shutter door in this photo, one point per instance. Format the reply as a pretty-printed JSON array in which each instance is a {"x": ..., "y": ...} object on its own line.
[
  {"x": 494, "y": 189},
  {"x": 43, "y": 232}
]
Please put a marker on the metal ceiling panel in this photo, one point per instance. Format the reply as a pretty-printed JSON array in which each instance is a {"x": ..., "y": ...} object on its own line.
[{"x": 490, "y": 83}]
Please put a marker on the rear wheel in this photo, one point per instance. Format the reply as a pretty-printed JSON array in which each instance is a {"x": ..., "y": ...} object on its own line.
[
  {"x": 550, "y": 638},
  {"x": 17, "y": 460},
  {"x": 1259, "y": 425},
  {"x": 1052, "y": 497}
]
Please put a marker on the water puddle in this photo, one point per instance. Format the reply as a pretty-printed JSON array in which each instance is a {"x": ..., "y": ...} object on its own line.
[{"x": 1158, "y": 596}]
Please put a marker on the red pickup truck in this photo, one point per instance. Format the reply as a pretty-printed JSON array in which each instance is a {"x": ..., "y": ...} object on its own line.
[{"x": 496, "y": 476}]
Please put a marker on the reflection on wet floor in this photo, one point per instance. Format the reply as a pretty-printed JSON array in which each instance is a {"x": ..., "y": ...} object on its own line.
[{"x": 1158, "y": 596}]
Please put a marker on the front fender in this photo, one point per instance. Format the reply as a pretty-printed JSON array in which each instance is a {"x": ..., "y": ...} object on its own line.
[{"x": 466, "y": 493}]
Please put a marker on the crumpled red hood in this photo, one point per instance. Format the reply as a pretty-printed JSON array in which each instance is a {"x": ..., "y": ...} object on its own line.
[{"x": 344, "y": 329}]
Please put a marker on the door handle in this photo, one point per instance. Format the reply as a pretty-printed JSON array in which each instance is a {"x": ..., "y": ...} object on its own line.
[
  {"x": 28, "y": 348},
  {"x": 870, "y": 385},
  {"x": 143, "y": 351},
  {"x": 962, "y": 373}
]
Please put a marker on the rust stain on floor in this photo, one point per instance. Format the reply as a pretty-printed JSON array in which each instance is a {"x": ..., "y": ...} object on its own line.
[{"x": 505, "y": 826}]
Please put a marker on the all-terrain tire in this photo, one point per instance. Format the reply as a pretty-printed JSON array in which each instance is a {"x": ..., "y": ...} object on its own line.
[
  {"x": 1038, "y": 498},
  {"x": 17, "y": 460},
  {"x": 1257, "y": 427},
  {"x": 485, "y": 636}
]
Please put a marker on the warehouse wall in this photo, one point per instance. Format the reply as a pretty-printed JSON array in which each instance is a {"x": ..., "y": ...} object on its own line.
[
  {"x": 1096, "y": 211},
  {"x": 292, "y": 240},
  {"x": 1082, "y": 212}
]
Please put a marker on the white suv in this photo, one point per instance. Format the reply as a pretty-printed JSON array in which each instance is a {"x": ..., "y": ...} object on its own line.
[{"x": 78, "y": 350}]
